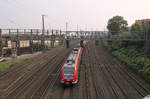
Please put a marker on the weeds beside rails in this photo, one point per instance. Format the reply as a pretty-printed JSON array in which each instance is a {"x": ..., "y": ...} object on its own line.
[{"x": 6, "y": 65}]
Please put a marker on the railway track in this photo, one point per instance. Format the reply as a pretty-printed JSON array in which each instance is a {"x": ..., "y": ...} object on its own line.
[
  {"x": 35, "y": 67},
  {"x": 115, "y": 89},
  {"x": 109, "y": 79},
  {"x": 21, "y": 90},
  {"x": 101, "y": 76},
  {"x": 104, "y": 90},
  {"x": 136, "y": 84},
  {"x": 15, "y": 74},
  {"x": 128, "y": 84},
  {"x": 25, "y": 83},
  {"x": 134, "y": 78},
  {"x": 83, "y": 86},
  {"x": 23, "y": 65},
  {"x": 51, "y": 80}
]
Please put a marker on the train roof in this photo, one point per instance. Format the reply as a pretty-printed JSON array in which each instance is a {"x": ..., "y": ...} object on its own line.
[
  {"x": 71, "y": 59},
  {"x": 72, "y": 56},
  {"x": 76, "y": 49}
]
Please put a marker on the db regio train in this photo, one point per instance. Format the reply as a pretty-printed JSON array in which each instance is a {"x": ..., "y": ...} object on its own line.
[{"x": 69, "y": 71}]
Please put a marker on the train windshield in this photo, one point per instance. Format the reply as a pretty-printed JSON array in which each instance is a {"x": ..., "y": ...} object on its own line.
[
  {"x": 69, "y": 62},
  {"x": 75, "y": 49},
  {"x": 68, "y": 72}
]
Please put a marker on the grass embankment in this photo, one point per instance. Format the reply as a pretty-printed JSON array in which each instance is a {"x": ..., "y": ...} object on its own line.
[
  {"x": 56, "y": 44},
  {"x": 6, "y": 65},
  {"x": 131, "y": 55}
]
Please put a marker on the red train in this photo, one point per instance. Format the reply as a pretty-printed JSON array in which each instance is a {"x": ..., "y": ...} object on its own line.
[{"x": 69, "y": 71}]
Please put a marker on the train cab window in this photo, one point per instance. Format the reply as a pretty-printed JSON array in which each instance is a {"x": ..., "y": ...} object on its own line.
[
  {"x": 75, "y": 52},
  {"x": 69, "y": 62},
  {"x": 75, "y": 49},
  {"x": 73, "y": 61},
  {"x": 68, "y": 72}
]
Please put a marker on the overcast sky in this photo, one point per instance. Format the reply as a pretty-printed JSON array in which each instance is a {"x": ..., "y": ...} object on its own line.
[{"x": 88, "y": 14}]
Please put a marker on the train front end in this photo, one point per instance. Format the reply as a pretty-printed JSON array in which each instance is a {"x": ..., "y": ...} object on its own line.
[
  {"x": 69, "y": 72},
  {"x": 68, "y": 77}
]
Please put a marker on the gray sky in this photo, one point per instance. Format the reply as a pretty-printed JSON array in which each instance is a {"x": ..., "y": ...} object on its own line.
[{"x": 90, "y": 14}]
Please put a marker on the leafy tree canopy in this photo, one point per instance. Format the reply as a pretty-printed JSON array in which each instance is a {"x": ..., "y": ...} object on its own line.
[
  {"x": 117, "y": 25},
  {"x": 137, "y": 30}
]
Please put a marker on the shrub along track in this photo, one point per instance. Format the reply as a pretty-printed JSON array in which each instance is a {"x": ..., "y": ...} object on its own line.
[
  {"x": 101, "y": 77},
  {"x": 25, "y": 87}
]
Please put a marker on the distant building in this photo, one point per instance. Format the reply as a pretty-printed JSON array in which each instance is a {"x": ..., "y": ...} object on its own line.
[{"x": 143, "y": 21}]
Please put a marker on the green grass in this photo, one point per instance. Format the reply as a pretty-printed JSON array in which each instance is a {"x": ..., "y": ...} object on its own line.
[
  {"x": 56, "y": 44},
  {"x": 27, "y": 70},
  {"x": 41, "y": 62},
  {"x": 6, "y": 65},
  {"x": 19, "y": 61}
]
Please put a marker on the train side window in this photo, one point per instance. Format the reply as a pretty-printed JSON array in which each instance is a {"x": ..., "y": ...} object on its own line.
[
  {"x": 68, "y": 61},
  {"x": 73, "y": 61},
  {"x": 75, "y": 49}
]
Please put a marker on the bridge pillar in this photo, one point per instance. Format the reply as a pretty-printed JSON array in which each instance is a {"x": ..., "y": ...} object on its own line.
[
  {"x": 67, "y": 42},
  {"x": 37, "y": 38},
  {"x": 31, "y": 42},
  {"x": 18, "y": 48},
  {"x": 42, "y": 42},
  {"x": 18, "y": 43},
  {"x": 51, "y": 44},
  {"x": 31, "y": 46},
  {"x": 60, "y": 40},
  {"x": 47, "y": 47},
  {"x": 39, "y": 41},
  {"x": 14, "y": 49},
  {"x": 96, "y": 42},
  {"x": 52, "y": 39}
]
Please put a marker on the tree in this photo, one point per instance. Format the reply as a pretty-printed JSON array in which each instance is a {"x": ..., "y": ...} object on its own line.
[
  {"x": 137, "y": 30},
  {"x": 146, "y": 28},
  {"x": 117, "y": 25}
]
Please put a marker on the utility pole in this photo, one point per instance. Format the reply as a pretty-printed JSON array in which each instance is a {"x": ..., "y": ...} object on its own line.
[
  {"x": 67, "y": 36},
  {"x": 77, "y": 31},
  {"x": 43, "y": 24},
  {"x": 66, "y": 28}
]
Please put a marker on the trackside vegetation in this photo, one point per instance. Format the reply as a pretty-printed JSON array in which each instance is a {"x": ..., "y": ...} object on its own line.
[
  {"x": 6, "y": 65},
  {"x": 132, "y": 54}
]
